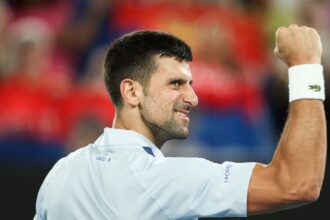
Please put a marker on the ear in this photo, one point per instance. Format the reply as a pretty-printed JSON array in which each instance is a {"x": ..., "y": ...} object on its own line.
[{"x": 131, "y": 92}]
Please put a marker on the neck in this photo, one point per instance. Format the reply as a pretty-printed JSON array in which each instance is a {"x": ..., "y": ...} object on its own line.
[{"x": 130, "y": 120}]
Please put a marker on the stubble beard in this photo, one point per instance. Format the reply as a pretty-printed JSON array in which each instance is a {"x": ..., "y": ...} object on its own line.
[{"x": 164, "y": 131}]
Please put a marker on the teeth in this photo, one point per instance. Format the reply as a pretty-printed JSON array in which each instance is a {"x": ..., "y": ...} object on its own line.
[{"x": 180, "y": 113}]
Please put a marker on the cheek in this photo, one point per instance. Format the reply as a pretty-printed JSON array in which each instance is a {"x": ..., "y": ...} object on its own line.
[
  {"x": 163, "y": 100},
  {"x": 167, "y": 100}
]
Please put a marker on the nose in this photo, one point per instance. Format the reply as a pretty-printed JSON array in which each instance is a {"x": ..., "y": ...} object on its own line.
[{"x": 190, "y": 97}]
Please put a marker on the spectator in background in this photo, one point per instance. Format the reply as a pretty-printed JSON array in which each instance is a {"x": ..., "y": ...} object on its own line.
[
  {"x": 87, "y": 107},
  {"x": 78, "y": 26},
  {"x": 4, "y": 19},
  {"x": 55, "y": 13},
  {"x": 233, "y": 104},
  {"x": 44, "y": 42},
  {"x": 31, "y": 90},
  {"x": 89, "y": 26}
]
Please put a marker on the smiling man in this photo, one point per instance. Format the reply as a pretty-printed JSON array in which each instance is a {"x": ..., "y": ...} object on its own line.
[
  {"x": 163, "y": 106},
  {"x": 153, "y": 90},
  {"x": 124, "y": 175}
]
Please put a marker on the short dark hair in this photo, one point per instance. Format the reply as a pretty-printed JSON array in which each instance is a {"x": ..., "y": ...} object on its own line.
[{"x": 132, "y": 56}]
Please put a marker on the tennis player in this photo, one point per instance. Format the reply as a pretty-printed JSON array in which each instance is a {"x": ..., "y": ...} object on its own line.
[{"x": 124, "y": 175}]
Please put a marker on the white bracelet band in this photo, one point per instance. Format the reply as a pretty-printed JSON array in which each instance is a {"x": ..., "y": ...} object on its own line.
[{"x": 306, "y": 82}]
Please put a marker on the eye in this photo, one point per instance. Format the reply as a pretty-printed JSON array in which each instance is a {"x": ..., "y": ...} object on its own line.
[{"x": 176, "y": 83}]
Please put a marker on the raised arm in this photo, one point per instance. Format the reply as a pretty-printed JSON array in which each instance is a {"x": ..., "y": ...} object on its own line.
[{"x": 295, "y": 175}]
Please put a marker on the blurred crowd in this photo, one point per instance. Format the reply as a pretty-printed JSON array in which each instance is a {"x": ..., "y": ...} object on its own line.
[{"x": 53, "y": 99}]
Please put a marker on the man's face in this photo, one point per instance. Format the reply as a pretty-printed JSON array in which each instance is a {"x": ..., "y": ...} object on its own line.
[{"x": 168, "y": 100}]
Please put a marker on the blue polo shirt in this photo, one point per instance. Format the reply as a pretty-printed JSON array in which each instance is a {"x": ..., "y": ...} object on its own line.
[{"x": 125, "y": 176}]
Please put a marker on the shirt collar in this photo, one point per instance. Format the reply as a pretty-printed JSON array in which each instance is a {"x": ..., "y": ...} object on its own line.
[{"x": 117, "y": 137}]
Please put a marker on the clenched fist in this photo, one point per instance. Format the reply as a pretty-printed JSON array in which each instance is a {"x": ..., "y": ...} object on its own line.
[{"x": 298, "y": 45}]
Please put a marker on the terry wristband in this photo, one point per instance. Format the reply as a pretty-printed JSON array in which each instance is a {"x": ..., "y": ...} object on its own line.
[{"x": 306, "y": 82}]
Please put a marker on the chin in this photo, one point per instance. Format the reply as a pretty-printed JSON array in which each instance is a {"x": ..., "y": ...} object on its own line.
[
  {"x": 180, "y": 137},
  {"x": 183, "y": 134}
]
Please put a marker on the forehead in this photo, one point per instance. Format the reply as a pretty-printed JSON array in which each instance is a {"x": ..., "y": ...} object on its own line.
[{"x": 169, "y": 67}]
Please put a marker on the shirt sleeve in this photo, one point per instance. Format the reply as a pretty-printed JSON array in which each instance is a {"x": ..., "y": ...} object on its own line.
[{"x": 195, "y": 187}]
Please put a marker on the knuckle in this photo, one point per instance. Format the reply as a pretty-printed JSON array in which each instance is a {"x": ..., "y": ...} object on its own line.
[
  {"x": 280, "y": 29},
  {"x": 314, "y": 31},
  {"x": 305, "y": 29},
  {"x": 293, "y": 26}
]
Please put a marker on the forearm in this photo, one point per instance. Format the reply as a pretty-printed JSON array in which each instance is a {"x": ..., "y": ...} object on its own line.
[
  {"x": 295, "y": 175},
  {"x": 300, "y": 157}
]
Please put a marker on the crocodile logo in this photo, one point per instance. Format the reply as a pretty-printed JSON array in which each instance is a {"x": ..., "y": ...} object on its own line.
[{"x": 315, "y": 88}]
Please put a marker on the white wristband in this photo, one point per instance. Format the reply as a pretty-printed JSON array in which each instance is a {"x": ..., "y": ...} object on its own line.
[{"x": 306, "y": 82}]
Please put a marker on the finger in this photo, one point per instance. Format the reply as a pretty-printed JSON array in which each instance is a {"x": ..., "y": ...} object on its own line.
[{"x": 275, "y": 51}]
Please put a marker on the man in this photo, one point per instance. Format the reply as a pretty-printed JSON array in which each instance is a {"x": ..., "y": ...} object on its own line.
[{"x": 123, "y": 175}]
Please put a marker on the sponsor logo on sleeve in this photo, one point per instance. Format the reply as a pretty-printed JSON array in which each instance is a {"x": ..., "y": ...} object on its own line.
[{"x": 227, "y": 173}]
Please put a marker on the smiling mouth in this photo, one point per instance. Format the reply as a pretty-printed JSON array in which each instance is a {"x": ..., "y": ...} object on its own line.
[{"x": 184, "y": 114}]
